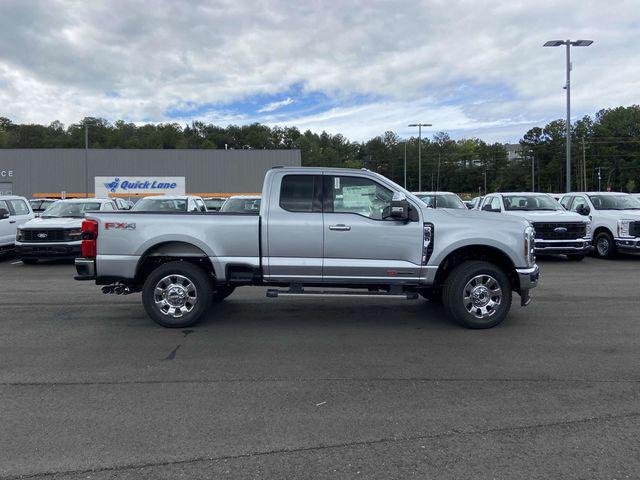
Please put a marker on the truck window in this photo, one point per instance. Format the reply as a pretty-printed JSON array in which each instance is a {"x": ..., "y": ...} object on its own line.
[
  {"x": 297, "y": 193},
  {"x": 359, "y": 195},
  {"x": 18, "y": 207},
  {"x": 577, "y": 202},
  {"x": 565, "y": 201}
]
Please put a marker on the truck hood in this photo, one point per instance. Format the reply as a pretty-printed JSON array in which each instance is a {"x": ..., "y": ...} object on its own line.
[
  {"x": 549, "y": 216},
  {"x": 54, "y": 223},
  {"x": 482, "y": 218}
]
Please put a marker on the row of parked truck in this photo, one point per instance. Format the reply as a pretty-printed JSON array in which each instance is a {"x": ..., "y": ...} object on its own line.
[{"x": 338, "y": 232}]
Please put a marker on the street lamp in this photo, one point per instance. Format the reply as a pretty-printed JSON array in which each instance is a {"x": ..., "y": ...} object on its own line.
[
  {"x": 569, "y": 44},
  {"x": 420, "y": 125}
]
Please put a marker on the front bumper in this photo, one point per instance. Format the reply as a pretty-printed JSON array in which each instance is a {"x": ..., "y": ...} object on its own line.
[
  {"x": 562, "y": 247},
  {"x": 629, "y": 244},
  {"x": 527, "y": 279},
  {"x": 49, "y": 250},
  {"x": 86, "y": 268}
]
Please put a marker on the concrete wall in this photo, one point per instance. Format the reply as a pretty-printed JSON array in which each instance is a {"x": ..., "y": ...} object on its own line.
[{"x": 50, "y": 171}]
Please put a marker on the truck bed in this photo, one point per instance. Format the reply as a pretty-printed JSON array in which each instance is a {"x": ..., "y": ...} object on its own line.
[{"x": 124, "y": 237}]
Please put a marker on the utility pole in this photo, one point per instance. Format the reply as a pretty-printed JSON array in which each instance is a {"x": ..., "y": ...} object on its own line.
[
  {"x": 405, "y": 164},
  {"x": 438, "y": 177},
  {"x": 86, "y": 160},
  {"x": 420, "y": 125},
  {"x": 584, "y": 167},
  {"x": 485, "y": 182},
  {"x": 533, "y": 171}
]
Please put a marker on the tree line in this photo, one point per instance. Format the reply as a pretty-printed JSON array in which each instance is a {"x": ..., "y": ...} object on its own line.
[{"x": 607, "y": 145}]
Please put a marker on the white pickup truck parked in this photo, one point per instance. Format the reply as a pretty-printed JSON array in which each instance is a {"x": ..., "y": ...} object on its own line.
[
  {"x": 615, "y": 219},
  {"x": 57, "y": 232},
  {"x": 318, "y": 229},
  {"x": 14, "y": 212},
  {"x": 557, "y": 230}
]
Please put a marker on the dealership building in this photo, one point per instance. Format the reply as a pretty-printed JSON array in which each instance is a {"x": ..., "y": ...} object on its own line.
[{"x": 59, "y": 172}]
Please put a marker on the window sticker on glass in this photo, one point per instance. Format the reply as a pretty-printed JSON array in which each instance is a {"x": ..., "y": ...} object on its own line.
[
  {"x": 336, "y": 183},
  {"x": 358, "y": 196}
]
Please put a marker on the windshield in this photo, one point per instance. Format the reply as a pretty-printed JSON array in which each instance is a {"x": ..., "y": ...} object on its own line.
[
  {"x": 241, "y": 205},
  {"x": 530, "y": 203},
  {"x": 161, "y": 205},
  {"x": 70, "y": 209},
  {"x": 615, "y": 202},
  {"x": 443, "y": 201},
  {"x": 213, "y": 203}
]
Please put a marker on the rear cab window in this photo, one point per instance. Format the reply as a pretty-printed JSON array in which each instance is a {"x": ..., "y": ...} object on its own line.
[{"x": 301, "y": 193}]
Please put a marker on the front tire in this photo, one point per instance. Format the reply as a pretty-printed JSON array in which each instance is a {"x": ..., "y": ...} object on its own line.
[
  {"x": 177, "y": 294},
  {"x": 477, "y": 295},
  {"x": 605, "y": 246}
]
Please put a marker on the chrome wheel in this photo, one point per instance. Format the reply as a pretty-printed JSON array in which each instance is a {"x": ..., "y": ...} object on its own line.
[
  {"x": 482, "y": 296},
  {"x": 603, "y": 246},
  {"x": 175, "y": 295}
]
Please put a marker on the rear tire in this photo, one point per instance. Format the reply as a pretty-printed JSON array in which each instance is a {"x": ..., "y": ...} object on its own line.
[
  {"x": 477, "y": 295},
  {"x": 605, "y": 246},
  {"x": 29, "y": 261},
  {"x": 575, "y": 258},
  {"x": 177, "y": 294},
  {"x": 220, "y": 293}
]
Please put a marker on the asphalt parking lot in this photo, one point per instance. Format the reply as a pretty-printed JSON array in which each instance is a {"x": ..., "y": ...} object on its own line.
[{"x": 346, "y": 388}]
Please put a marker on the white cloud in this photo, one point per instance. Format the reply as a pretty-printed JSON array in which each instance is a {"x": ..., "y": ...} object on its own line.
[
  {"x": 468, "y": 67},
  {"x": 270, "y": 107}
]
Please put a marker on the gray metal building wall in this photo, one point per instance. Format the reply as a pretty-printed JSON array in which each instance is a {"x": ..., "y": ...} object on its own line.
[{"x": 205, "y": 171}]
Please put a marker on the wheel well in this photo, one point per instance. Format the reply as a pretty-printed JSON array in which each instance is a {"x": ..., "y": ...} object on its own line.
[
  {"x": 477, "y": 252},
  {"x": 170, "y": 252},
  {"x": 599, "y": 230}
]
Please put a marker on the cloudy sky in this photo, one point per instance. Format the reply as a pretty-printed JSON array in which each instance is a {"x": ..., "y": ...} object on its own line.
[{"x": 471, "y": 68}]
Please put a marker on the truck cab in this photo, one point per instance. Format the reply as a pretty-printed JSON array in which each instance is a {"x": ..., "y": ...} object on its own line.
[{"x": 14, "y": 212}]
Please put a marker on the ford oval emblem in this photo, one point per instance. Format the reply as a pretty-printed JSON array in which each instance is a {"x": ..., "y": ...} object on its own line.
[
  {"x": 560, "y": 230},
  {"x": 42, "y": 235}
]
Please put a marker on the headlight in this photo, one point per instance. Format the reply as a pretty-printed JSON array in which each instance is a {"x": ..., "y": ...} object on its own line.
[
  {"x": 529, "y": 239},
  {"x": 19, "y": 235},
  {"x": 588, "y": 230},
  {"x": 623, "y": 228}
]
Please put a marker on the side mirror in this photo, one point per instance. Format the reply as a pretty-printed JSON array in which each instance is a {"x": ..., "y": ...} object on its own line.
[
  {"x": 203, "y": 208},
  {"x": 4, "y": 213},
  {"x": 399, "y": 208},
  {"x": 583, "y": 210}
]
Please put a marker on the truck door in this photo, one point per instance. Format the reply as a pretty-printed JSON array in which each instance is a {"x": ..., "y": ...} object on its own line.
[
  {"x": 20, "y": 212},
  {"x": 7, "y": 229},
  {"x": 361, "y": 247},
  {"x": 294, "y": 229}
]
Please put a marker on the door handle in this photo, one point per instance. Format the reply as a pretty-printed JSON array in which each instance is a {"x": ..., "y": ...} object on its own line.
[
  {"x": 12, "y": 221},
  {"x": 340, "y": 227}
]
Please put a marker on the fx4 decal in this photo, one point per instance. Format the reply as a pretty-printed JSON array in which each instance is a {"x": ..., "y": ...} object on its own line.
[{"x": 119, "y": 226}]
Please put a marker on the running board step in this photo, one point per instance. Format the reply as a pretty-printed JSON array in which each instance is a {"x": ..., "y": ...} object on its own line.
[{"x": 275, "y": 293}]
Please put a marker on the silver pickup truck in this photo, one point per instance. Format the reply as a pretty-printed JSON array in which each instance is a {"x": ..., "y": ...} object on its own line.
[{"x": 319, "y": 232}]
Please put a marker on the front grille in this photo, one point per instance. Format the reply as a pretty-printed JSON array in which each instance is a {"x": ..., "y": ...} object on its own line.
[
  {"x": 44, "y": 235},
  {"x": 560, "y": 231},
  {"x": 634, "y": 229}
]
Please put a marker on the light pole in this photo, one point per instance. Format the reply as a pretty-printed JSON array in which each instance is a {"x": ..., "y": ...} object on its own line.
[
  {"x": 420, "y": 125},
  {"x": 86, "y": 160},
  {"x": 569, "y": 44}
]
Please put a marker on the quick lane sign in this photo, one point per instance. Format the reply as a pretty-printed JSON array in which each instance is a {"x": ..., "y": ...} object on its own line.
[{"x": 105, "y": 186}]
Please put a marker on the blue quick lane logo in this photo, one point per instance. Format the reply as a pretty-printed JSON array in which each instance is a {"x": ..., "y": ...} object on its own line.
[
  {"x": 113, "y": 186},
  {"x": 125, "y": 185}
]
